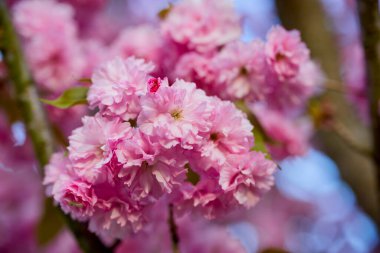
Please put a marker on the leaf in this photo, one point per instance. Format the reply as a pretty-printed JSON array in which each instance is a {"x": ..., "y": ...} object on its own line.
[
  {"x": 50, "y": 224},
  {"x": 260, "y": 145},
  {"x": 191, "y": 175},
  {"x": 165, "y": 12},
  {"x": 69, "y": 98}
]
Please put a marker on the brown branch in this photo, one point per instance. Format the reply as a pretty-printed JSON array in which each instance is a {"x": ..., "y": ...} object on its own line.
[
  {"x": 346, "y": 136},
  {"x": 368, "y": 11},
  {"x": 35, "y": 121},
  {"x": 25, "y": 93},
  {"x": 173, "y": 230}
]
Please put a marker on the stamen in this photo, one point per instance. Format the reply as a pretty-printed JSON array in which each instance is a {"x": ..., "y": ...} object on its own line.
[
  {"x": 176, "y": 114},
  {"x": 214, "y": 136}
]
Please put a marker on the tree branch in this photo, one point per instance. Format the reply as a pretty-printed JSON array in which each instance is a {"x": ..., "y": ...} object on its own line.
[
  {"x": 346, "y": 136},
  {"x": 35, "y": 121},
  {"x": 173, "y": 230},
  {"x": 368, "y": 11},
  {"x": 25, "y": 92}
]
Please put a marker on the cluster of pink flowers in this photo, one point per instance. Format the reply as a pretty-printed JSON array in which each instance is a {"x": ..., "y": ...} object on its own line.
[
  {"x": 152, "y": 139},
  {"x": 202, "y": 25},
  {"x": 141, "y": 146},
  {"x": 55, "y": 54},
  {"x": 198, "y": 41},
  {"x": 51, "y": 43},
  {"x": 277, "y": 76}
]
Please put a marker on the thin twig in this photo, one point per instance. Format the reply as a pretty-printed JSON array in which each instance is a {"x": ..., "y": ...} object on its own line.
[
  {"x": 345, "y": 135},
  {"x": 35, "y": 121},
  {"x": 173, "y": 230}
]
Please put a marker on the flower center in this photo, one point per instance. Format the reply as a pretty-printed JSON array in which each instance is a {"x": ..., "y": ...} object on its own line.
[
  {"x": 280, "y": 56},
  {"x": 176, "y": 114},
  {"x": 243, "y": 71},
  {"x": 214, "y": 136},
  {"x": 133, "y": 122}
]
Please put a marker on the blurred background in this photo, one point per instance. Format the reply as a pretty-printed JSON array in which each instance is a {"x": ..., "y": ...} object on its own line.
[{"x": 323, "y": 202}]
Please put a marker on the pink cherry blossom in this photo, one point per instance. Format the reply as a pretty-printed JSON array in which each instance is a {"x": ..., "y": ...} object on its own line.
[
  {"x": 91, "y": 146},
  {"x": 74, "y": 195},
  {"x": 290, "y": 138},
  {"x": 78, "y": 198},
  {"x": 117, "y": 85},
  {"x": 290, "y": 95},
  {"x": 202, "y": 25},
  {"x": 51, "y": 44},
  {"x": 199, "y": 236},
  {"x": 355, "y": 79},
  {"x": 147, "y": 43},
  {"x": 115, "y": 174},
  {"x": 175, "y": 115},
  {"x": 116, "y": 215},
  {"x": 198, "y": 68},
  {"x": 37, "y": 17},
  {"x": 248, "y": 177},
  {"x": 230, "y": 133},
  {"x": 241, "y": 70},
  {"x": 155, "y": 235},
  {"x": 206, "y": 198},
  {"x": 286, "y": 52},
  {"x": 147, "y": 171}
]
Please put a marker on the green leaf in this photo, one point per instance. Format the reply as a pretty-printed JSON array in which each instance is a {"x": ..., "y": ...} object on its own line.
[
  {"x": 165, "y": 12},
  {"x": 191, "y": 175},
  {"x": 50, "y": 224},
  {"x": 260, "y": 143},
  {"x": 69, "y": 98}
]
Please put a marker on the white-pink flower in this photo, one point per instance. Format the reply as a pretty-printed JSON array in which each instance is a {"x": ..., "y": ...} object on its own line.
[
  {"x": 51, "y": 44},
  {"x": 230, "y": 133},
  {"x": 241, "y": 69},
  {"x": 198, "y": 68},
  {"x": 147, "y": 170},
  {"x": 36, "y": 18},
  {"x": 202, "y": 25},
  {"x": 175, "y": 115},
  {"x": 290, "y": 95},
  {"x": 74, "y": 195},
  {"x": 92, "y": 145},
  {"x": 247, "y": 176},
  {"x": 143, "y": 41},
  {"x": 117, "y": 85},
  {"x": 290, "y": 136},
  {"x": 286, "y": 52}
]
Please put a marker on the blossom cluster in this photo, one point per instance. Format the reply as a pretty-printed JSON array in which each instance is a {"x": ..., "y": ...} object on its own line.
[
  {"x": 156, "y": 139},
  {"x": 164, "y": 129},
  {"x": 150, "y": 140},
  {"x": 60, "y": 62},
  {"x": 276, "y": 77},
  {"x": 198, "y": 41}
]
